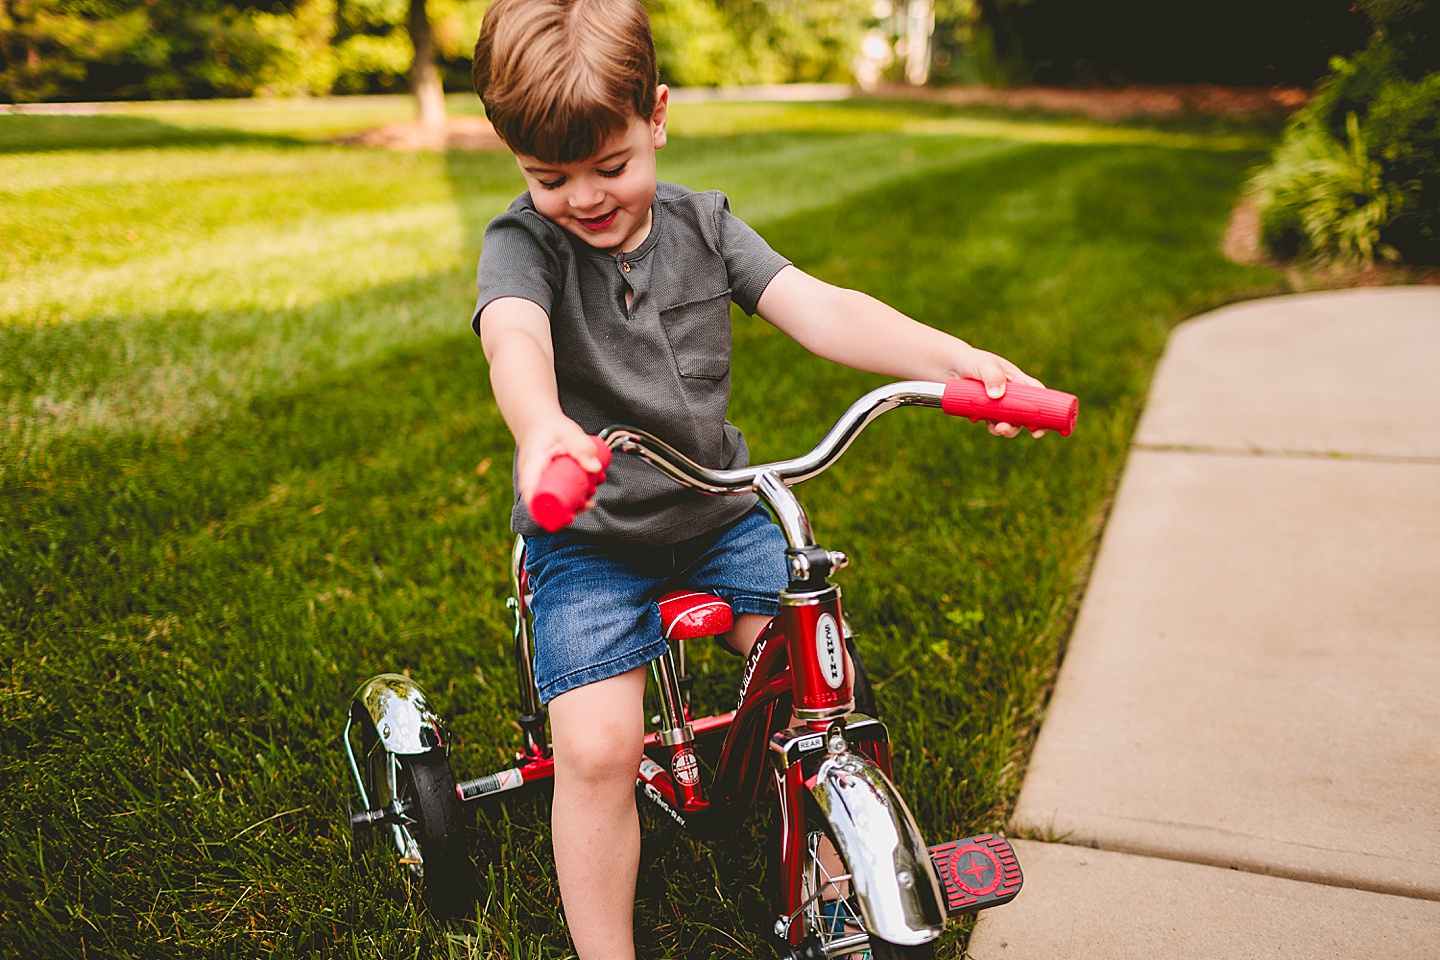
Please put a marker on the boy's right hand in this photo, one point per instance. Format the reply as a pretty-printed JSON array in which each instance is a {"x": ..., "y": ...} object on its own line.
[{"x": 559, "y": 437}]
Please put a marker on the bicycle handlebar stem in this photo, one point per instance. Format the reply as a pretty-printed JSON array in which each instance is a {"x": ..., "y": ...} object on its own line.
[
  {"x": 786, "y": 509},
  {"x": 771, "y": 481}
]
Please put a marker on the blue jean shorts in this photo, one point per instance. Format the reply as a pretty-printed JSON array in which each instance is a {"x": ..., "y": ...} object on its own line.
[{"x": 596, "y": 603}]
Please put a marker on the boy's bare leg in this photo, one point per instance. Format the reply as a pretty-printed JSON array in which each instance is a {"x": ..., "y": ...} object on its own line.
[
  {"x": 745, "y": 632},
  {"x": 598, "y": 733}
]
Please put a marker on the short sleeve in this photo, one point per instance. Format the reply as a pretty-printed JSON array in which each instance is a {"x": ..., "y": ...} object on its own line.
[
  {"x": 517, "y": 260},
  {"x": 749, "y": 261}
]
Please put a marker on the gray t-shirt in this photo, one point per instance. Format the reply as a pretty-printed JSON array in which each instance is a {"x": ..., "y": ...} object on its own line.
[{"x": 662, "y": 365}]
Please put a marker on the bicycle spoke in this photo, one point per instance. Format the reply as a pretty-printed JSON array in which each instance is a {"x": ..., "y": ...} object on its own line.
[{"x": 834, "y": 919}]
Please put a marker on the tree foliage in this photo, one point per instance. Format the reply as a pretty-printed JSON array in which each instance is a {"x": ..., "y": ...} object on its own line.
[
  {"x": 135, "y": 49},
  {"x": 163, "y": 48},
  {"x": 128, "y": 49},
  {"x": 119, "y": 49},
  {"x": 712, "y": 42}
]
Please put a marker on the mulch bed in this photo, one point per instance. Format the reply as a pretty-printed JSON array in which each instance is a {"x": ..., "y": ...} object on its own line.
[
  {"x": 1242, "y": 245},
  {"x": 457, "y": 133}
]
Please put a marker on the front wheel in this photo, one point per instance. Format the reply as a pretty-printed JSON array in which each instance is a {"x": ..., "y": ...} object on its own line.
[
  {"x": 880, "y": 950},
  {"x": 832, "y": 916}
]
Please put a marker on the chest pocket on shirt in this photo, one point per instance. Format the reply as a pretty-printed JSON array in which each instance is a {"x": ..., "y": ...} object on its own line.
[{"x": 699, "y": 334}]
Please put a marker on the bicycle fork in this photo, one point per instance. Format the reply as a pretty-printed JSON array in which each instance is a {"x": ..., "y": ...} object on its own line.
[
  {"x": 837, "y": 763},
  {"x": 891, "y": 877},
  {"x": 903, "y": 891}
]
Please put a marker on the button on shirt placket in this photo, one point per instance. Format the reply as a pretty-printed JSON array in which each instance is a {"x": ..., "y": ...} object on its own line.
[{"x": 630, "y": 277}]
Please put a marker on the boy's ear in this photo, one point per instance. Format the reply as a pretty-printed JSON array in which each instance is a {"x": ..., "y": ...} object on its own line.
[{"x": 660, "y": 116}]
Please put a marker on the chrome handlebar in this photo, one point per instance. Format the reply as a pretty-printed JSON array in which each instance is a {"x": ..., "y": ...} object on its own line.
[
  {"x": 687, "y": 472},
  {"x": 772, "y": 480}
]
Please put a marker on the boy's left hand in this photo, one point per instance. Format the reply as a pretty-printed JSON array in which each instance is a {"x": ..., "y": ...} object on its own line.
[{"x": 995, "y": 372}]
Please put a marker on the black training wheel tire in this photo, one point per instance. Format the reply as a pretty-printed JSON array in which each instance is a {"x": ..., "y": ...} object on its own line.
[{"x": 428, "y": 787}]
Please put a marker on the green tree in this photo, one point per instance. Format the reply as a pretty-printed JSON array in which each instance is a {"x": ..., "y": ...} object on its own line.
[
  {"x": 49, "y": 46},
  {"x": 727, "y": 42},
  {"x": 425, "y": 84},
  {"x": 126, "y": 49},
  {"x": 109, "y": 49},
  {"x": 694, "y": 44},
  {"x": 375, "y": 50}
]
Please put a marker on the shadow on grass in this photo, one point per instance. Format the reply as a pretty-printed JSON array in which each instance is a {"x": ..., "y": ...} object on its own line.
[
  {"x": 206, "y": 604},
  {"x": 25, "y": 133}
]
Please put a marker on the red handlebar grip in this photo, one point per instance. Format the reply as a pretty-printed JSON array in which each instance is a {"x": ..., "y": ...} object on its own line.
[
  {"x": 1035, "y": 408},
  {"x": 564, "y": 489}
]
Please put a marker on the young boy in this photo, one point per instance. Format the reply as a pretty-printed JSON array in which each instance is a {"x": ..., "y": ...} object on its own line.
[{"x": 604, "y": 297}]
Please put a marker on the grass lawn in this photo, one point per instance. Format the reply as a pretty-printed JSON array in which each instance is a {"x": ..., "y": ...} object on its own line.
[{"x": 248, "y": 457}]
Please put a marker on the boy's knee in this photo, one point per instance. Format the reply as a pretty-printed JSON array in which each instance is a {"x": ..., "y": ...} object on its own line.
[{"x": 601, "y": 757}]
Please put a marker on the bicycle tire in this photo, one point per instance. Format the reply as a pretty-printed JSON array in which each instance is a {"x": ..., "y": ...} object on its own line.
[
  {"x": 827, "y": 919},
  {"x": 884, "y": 950},
  {"x": 424, "y": 782},
  {"x": 877, "y": 948}
]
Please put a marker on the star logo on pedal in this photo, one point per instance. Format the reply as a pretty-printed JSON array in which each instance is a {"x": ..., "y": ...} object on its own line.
[{"x": 975, "y": 870}]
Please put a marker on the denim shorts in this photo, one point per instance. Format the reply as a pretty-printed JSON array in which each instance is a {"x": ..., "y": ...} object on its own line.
[{"x": 596, "y": 603}]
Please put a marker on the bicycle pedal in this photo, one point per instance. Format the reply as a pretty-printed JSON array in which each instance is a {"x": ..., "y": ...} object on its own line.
[{"x": 976, "y": 873}]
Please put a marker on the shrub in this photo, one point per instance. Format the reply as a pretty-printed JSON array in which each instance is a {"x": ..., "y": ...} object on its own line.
[
  {"x": 1323, "y": 197},
  {"x": 1353, "y": 85},
  {"x": 1358, "y": 170},
  {"x": 1403, "y": 134}
]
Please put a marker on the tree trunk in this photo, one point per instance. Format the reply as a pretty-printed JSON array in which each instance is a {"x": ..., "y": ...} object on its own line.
[
  {"x": 424, "y": 76},
  {"x": 919, "y": 28}
]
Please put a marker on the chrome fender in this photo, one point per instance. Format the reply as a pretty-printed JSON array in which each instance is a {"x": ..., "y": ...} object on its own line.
[
  {"x": 891, "y": 873},
  {"x": 396, "y": 709}
]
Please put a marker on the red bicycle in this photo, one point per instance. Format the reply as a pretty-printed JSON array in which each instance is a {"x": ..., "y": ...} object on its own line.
[{"x": 883, "y": 888}]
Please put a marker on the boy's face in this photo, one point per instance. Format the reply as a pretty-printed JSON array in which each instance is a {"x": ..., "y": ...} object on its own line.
[{"x": 604, "y": 199}]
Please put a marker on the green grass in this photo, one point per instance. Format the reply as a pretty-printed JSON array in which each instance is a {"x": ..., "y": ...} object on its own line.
[{"x": 248, "y": 457}]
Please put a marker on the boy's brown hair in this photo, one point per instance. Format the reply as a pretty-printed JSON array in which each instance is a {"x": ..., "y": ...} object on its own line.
[{"x": 558, "y": 77}]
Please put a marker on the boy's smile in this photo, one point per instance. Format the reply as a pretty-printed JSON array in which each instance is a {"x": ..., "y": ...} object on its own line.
[
  {"x": 601, "y": 223},
  {"x": 604, "y": 199}
]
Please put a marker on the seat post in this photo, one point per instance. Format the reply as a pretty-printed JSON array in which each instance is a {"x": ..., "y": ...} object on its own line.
[
  {"x": 677, "y": 735},
  {"x": 682, "y": 673},
  {"x": 674, "y": 729}
]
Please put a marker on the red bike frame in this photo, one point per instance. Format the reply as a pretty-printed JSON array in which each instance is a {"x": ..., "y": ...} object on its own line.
[{"x": 798, "y": 666}]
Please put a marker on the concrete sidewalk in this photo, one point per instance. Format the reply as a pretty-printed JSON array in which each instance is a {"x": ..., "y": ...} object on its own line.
[{"x": 1242, "y": 755}]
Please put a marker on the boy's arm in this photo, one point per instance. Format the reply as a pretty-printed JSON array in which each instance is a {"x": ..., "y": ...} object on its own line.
[
  {"x": 855, "y": 329},
  {"x": 516, "y": 335}
]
